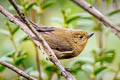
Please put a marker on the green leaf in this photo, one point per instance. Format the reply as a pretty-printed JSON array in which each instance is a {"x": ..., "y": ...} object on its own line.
[
  {"x": 5, "y": 32},
  {"x": 21, "y": 54},
  {"x": 29, "y": 5},
  {"x": 100, "y": 69},
  {"x": 75, "y": 18},
  {"x": 75, "y": 70},
  {"x": 72, "y": 19},
  {"x": 25, "y": 38},
  {"x": 44, "y": 63},
  {"x": 48, "y": 4},
  {"x": 25, "y": 54},
  {"x": 80, "y": 62},
  {"x": 51, "y": 68},
  {"x": 77, "y": 66},
  {"x": 83, "y": 61},
  {"x": 15, "y": 30},
  {"x": 114, "y": 12},
  {"x": 108, "y": 57},
  {"x": 19, "y": 60},
  {"x": 101, "y": 59},
  {"x": 11, "y": 54},
  {"x": 2, "y": 68}
]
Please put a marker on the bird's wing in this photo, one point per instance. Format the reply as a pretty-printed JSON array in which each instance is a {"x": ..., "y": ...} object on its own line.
[
  {"x": 44, "y": 29},
  {"x": 55, "y": 39}
]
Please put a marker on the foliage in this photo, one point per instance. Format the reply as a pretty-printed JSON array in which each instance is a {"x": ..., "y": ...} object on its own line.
[{"x": 95, "y": 62}]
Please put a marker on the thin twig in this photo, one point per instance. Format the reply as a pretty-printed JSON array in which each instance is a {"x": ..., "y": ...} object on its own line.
[
  {"x": 20, "y": 72},
  {"x": 38, "y": 61},
  {"x": 36, "y": 50},
  {"x": 12, "y": 37},
  {"x": 45, "y": 46},
  {"x": 40, "y": 44},
  {"x": 92, "y": 10}
]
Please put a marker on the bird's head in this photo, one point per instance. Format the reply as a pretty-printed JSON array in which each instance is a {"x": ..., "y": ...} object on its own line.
[{"x": 80, "y": 37}]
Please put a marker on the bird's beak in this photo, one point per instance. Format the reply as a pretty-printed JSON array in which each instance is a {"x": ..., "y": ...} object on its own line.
[{"x": 90, "y": 35}]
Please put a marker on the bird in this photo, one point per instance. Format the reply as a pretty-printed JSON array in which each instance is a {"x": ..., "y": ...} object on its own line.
[{"x": 66, "y": 43}]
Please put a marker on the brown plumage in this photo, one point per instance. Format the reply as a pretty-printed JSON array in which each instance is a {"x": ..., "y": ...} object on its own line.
[{"x": 66, "y": 43}]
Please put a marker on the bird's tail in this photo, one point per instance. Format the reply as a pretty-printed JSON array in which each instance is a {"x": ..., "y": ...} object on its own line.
[{"x": 38, "y": 28}]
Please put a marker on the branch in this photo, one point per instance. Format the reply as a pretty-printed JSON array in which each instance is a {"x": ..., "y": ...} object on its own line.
[
  {"x": 42, "y": 44},
  {"x": 20, "y": 72},
  {"x": 98, "y": 15}
]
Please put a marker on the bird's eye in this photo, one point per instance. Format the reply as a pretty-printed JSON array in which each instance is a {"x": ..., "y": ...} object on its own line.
[{"x": 79, "y": 36}]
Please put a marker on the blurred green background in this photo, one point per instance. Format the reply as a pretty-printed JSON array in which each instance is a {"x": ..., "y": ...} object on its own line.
[{"x": 100, "y": 60}]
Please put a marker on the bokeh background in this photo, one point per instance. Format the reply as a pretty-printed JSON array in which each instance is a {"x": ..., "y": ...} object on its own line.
[{"x": 100, "y": 59}]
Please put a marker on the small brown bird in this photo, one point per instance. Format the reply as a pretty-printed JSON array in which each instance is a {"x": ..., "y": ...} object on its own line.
[{"x": 66, "y": 43}]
